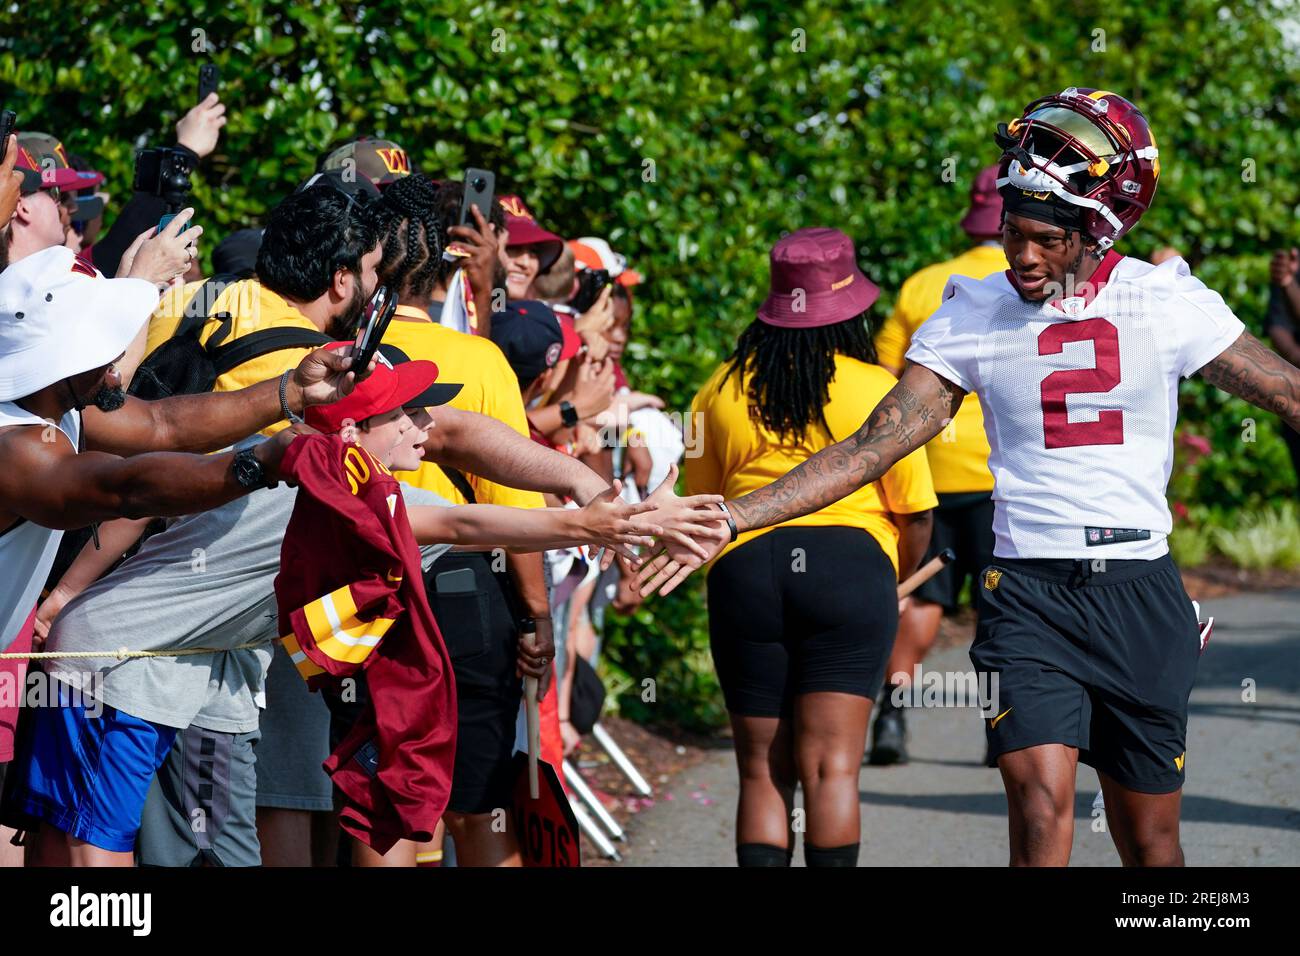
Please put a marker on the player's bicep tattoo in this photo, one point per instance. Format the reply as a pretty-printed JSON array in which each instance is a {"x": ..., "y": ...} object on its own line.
[{"x": 1262, "y": 377}]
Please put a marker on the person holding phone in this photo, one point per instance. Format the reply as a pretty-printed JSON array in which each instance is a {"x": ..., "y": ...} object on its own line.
[
  {"x": 197, "y": 134},
  {"x": 232, "y": 604},
  {"x": 527, "y": 250}
]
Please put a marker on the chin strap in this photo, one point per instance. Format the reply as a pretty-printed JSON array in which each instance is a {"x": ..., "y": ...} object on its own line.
[{"x": 77, "y": 403}]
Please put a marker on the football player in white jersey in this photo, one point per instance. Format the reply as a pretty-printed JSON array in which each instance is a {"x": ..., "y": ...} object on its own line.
[{"x": 1075, "y": 353}]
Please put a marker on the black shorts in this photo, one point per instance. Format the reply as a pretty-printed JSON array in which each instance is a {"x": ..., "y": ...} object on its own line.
[
  {"x": 480, "y": 631},
  {"x": 801, "y": 610},
  {"x": 963, "y": 522},
  {"x": 1099, "y": 657}
]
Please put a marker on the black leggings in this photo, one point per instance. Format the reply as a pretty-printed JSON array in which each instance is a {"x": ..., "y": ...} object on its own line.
[{"x": 800, "y": 610}]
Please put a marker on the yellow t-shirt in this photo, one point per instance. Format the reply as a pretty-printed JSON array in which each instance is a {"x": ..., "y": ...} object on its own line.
[
  {"x": 252, "y": 308},
  {"x": 739, "y": 455},
  {"x": 490, "y": 388},
  {"x": 959, "y": 455}
]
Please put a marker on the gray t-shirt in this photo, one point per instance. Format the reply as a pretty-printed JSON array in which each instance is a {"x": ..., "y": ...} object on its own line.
[{"x": 206, "y": 581}]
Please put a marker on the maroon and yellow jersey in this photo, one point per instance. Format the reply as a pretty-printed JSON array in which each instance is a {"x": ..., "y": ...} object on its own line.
[{"x": 351, "y": 597}]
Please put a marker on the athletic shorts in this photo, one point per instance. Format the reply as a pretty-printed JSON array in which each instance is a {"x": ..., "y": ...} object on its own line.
[
  {"x": 87, "y": 776},
  {"x": 482, "y": 640},
  {"x": 295, "y": 742},
  {"x": 1099, "y": 657},
  {"x": 801, "y": 610},
  {"x": 202, "y": 807},
  {"x": 963, "y": 522}
]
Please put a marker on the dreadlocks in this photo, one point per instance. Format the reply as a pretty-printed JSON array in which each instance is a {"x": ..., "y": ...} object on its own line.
[
  {"x": 791, "y": 370},
  {"x": 407, "y": 220}
]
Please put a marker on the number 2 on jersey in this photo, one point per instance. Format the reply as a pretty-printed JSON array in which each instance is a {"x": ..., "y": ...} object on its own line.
[{"x": 1058, "y": 430}]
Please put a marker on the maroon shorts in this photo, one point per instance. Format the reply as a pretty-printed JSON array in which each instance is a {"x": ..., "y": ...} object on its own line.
[{"x": 13, "y": 676}]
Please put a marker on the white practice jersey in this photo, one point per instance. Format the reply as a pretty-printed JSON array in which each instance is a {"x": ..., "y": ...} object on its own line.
[{"x": 1080, "y": 398}]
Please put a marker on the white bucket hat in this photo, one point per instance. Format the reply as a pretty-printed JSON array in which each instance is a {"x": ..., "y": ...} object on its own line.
[{"x": 59, "y": 317}]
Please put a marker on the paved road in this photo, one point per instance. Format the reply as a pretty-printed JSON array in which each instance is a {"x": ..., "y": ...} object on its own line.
[{"x": 1241, "y": 804}]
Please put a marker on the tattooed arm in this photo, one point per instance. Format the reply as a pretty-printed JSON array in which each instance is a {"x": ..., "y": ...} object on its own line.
[
  {"x": 1262, "y": 377},
  {"x": 914, "y": 411}
]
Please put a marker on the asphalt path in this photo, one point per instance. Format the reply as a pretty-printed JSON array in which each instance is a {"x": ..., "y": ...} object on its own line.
[{"x": 1241, "y": 802}]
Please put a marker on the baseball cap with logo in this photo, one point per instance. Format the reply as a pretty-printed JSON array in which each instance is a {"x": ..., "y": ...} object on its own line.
[
  {"x": 815, "y": 281},
  {"x": 396, "y": 382},
  {"x": 532, "y": 338},
  {"x": 524, "y": 231},
  {"x": 59, "y": 318},
  {"x": 45, "y": 155},
  {"x": 380, "y": 160}
]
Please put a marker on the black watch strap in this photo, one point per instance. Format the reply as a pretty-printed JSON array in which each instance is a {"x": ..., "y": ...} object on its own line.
[
  {"x": 249, "y": 471},
  {"x": 568, "y": 414}
]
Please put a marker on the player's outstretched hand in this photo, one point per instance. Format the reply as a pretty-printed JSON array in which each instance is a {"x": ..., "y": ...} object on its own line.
[
  {"x": 686, "y": 519},
  {"x": 673, "y": 564}
]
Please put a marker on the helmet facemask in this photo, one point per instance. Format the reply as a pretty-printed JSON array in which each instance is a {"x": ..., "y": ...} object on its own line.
[{"x": 1065, "y": 152}]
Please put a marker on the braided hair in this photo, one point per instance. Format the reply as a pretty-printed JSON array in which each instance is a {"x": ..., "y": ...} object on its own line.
[
  {"x": 451, "y": 195},
  {"x": 407, "y": 221},
  {"x": 791, "y": 370}
]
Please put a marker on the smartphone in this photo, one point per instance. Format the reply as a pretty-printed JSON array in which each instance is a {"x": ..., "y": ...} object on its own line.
[
  {"x": 480, "y": 184},
  {"x": 8, "y": 119},
  {"x": 209, "y": 80},
  {"x": 374, "y": 323},
  {"x": 460, "y": 581}
]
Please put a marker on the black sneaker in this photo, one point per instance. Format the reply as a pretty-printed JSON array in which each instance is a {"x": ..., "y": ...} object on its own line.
[{"x": 888, "y": 739}]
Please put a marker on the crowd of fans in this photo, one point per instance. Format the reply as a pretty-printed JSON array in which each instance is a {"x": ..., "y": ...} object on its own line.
[
  {"x": 530, "y": 469},
  {"x": 146, "y": 418}
]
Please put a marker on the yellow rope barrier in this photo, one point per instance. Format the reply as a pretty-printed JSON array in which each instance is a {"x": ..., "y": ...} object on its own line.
[{"x": 122, "y": 653}]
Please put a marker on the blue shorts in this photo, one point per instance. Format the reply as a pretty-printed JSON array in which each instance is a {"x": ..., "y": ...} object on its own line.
[{"x": 89, "y": 776}]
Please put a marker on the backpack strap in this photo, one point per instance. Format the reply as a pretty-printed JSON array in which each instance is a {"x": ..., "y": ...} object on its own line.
[
  {"x": 256, "y": 344},
  {"x": 460, "y": 482},
  {"x": 198, "y": 309}
]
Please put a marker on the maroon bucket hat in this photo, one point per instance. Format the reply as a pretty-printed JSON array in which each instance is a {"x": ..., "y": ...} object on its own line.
[
  {"x": 815, "y": 281},
  {"x": 984, "y": 218}
]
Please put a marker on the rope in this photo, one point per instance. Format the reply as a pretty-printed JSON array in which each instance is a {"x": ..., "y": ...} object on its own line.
[{"x": 122, "y": 653}]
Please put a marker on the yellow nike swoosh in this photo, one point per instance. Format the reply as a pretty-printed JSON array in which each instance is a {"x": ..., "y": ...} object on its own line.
[{"x": 999, "y": 717}]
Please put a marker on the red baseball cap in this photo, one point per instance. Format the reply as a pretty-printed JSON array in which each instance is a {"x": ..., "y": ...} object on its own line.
[
  {"x": 524, "y": 231},
  {"x": 570, "y": 341},
  {"x": 396, "y": 382}
]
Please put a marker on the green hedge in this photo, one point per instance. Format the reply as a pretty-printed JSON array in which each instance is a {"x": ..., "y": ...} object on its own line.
[{"x": 758, "y": 118}]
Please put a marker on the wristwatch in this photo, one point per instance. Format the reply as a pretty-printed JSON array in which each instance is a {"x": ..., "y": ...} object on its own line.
[
  {"x": 249, "y": 471},
  {"x": 568, "y": 414}
]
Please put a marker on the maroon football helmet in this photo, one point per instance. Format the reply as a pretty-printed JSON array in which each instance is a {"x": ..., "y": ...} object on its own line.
[{"x": 1089, "y": 148}]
